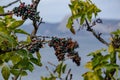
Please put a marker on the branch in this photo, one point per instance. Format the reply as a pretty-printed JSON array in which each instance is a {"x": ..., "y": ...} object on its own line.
[
  {"x": 10, "y": 4},
  {"x": 5, "y": 14},
  {"x": 35, "y": 5},
  {"x": 98, "y": 36},
  {"x": 13, "y": 49}
]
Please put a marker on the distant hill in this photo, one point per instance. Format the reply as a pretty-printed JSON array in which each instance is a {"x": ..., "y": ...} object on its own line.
[
  {"x": 59, "y": 29},
  {"x": 108, "y": 25}
]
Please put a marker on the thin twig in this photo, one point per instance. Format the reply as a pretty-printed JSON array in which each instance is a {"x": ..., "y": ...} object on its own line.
[
  {"x": 10, "y": 4},
  {"x": 68, "y": 74},
  {"x": 48, "y": 69},
  {"x": 52, "y": 64},
  {"x": 95, "y": 34},
  {"x": 41, "y": 22}
]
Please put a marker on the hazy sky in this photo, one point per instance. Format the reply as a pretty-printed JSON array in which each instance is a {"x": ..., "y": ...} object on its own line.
[{"x": 56, "y": 10}]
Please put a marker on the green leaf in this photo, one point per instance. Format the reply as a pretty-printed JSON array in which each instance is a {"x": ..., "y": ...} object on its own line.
[
  {"x": 64, "y": 68},
  {"x": 105, "y": 58},
  {"x": 89, "y": 16},
  {"x": 35, "y": 61},
  {"x": 28, "y": 39},
  {"x": 16, "y": 58},
  {"x": 70, "y": 23},
  {"x": 3, "y": 27},
  {"x": 1, "y": 10},
  {"x": 22, "y": 52},
  {"x": 117, "y": 32},
  {"x": 22, "y": 64},
  {"x": 38, "y": 56},
  {"x": 30, "y": 67},
  {"x": 88, "y": 65},
  {"x": 119, "y": 55},
  {"x": 23, "y": 73},
  {"x": 16, "y": 24},
  {"x": 82, "y": 19},
  {"x": 5, "y": 72},
  {"x": 10, "y": 41},
  {"x": 15, "y": 72},
  {"x": 72, "y": 30},
  {"x": 96, "y": 61},
  {"x": 100, "y": 66},
  {"x": 1, "y": 62},
  {"x": 111, "y": 49},
  {"x": 111, "y": 66},
  {"x": 91, "y": 76},
  {"x": 59, "y": 69},
  {"x": 97, "y": 52},
  {"x": 21, "y": 31}
]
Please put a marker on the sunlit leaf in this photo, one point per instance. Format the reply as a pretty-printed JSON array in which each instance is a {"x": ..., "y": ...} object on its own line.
[
  {"x": 1, "y": 9},
  {"x": 9, "y": 39},
  {"x": 91, "y": 76},
  {"x": 16, "y": 24},
  {"x": 111, "y": 48},
  {"x": 70, "y": 23},
  {"x": 89, "y": 65},
  {"x": 21, "y": 31},
  {"x": 5, "y": 72},
  {"x": 59, "y": 69},
  {"x": 15, "y": 58},
  {"x": 3, "y": 27},
  {"x": 28, "y": 39}
]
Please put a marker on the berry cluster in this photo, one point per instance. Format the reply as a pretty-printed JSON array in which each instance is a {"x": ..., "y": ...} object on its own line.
[
  {"x": 75, "y": 57},
  {"x": 35, "y": 45},
  {"x": 62, "y": 46},
  {"x": 26, "y": 11}
]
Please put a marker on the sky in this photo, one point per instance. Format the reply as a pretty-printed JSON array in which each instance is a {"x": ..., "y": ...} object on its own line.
[{"x": 55, "y": 10}]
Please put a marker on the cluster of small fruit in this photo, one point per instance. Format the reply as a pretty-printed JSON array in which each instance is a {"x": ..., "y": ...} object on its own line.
[
  {"x": 26, "y": 11},
  {"x": 64, "y": 47},
  {"x": 35, "y": 45}
]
